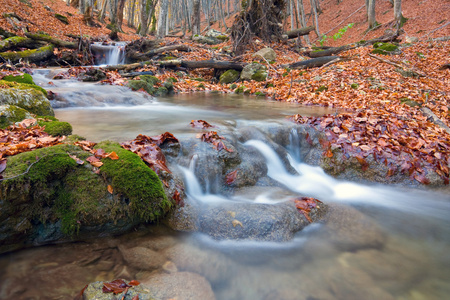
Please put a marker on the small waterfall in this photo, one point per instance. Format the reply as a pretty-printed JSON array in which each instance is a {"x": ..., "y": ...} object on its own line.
[
  {"x": 108, "y": 54},
  {"x": 313, "y": 181},
  {"x": 294, "y": 144}
]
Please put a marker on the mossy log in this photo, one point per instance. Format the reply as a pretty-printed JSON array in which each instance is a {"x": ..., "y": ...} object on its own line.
[
  {"x": 292, "y": 34},
  {"x": 149, "y": 54},
  {"x": 52, "y": 40},
  {"x": 6, "y": 33},
  {"x": 328, "y": 52},
  {"x": 16, "y": 42},
  {"x": 34, "y": 55},
  {"x": 313, "y": 62}
]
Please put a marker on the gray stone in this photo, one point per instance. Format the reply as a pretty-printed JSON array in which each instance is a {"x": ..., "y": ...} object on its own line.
[
  {"x": 254, "y": 71},
  {"x": 94, "y": 292},
  {"x": 181, "y": 285},
  {"x": 206, "y": 40},
  {"x": 267, "y": 53},
  {"x": 229, "y": 76}
]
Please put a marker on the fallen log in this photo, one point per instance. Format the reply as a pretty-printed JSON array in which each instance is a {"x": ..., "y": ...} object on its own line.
[
  {"x": 211, "y": 63},
  {"x": 149, "y": 54},
  {"x": 32, "y": 56},
  {"x": 313, "y": 62},
  {"x": 128, "y": 67},
  {"x": 328, "y": 52},
  {"x": 51, "y": 40},
  {"x": 292, "y": 34},
  {"x": 16, "y": 42},
  {"x": 410, "y": 71}
]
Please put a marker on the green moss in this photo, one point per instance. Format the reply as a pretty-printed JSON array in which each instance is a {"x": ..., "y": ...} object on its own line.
[
  {"x": 229, "y": 76},
  {"x": 172, "y": 79},
  {"x": 384, "y": 48},
  {"x": 9, "y": 114},
  {"x": 169, "y": 58},
  {"x": 409, "y": 102},
  {"x": 240, "y": 90},
  {"x": 150, "y": 79},
  {"x": 137, "y": 85},
  {"x": 223, "y": 38},
  {"x": 260, "y": 75},
  {"x": 260, "y": 94},
  {"x": 15, "y": 84},
  {"x": 321, "y": 88},
  {"x": 24, "y": 78},
  {"x": 161, "y": 91},
  {"x": 270, "y": 85},
  {"x": 168, "y": 85},
  {"x": 56, "y": 128},
  {"x": 16, "y": 56},
  {"x": 201, "y": 86},
  {"x": 247, "y": 91},
  {"x": 62, "y": 18},
  {"x": 26, "y": 96},
  {"x": 199, "y": 79},
  {"x": 355, "y": 86},
  {"x": 136, "y": 181},
  {"x": 233, "y": 86}
]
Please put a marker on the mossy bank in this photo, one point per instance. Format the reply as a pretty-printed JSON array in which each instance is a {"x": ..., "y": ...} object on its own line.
[{"x": 46, "y": 196}]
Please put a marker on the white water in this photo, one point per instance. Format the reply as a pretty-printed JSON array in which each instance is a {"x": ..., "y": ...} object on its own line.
[
  {"x": 109, "y": 54},
  {"x": 312, "y": 181}
]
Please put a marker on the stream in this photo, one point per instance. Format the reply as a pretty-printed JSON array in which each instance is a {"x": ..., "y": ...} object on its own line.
[{"x": 386, "y": 242}]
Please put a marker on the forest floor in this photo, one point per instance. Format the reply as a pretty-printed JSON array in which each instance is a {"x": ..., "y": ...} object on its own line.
[{"x": 385, "y": 111}]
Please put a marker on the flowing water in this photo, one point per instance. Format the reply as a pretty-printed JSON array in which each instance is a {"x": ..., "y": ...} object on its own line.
[{"x": 394, "y": 245}]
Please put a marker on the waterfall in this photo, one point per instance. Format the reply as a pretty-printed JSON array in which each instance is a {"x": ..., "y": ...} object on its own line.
[
  {"x": 314, "y": 182},
  {"x": 109, "y": 54}
]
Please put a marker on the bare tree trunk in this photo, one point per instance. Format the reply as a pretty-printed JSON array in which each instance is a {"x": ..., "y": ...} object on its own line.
[
  {"x": 301, "y": 12},
  {"x": 316, "y": 17},
  {"x": 399, "y": 19},
  {"x": 113, "y": 11},
  {"x": 101, "y": 16},
  {"x": 131, "y": 22},
  {"x": 371, "y": 13},
  {"x": 162, "y": 19},
  {"x": 291, "y": 8},
  {"x": 120, "y": 8},
  {"x": 196, "y": 17}
]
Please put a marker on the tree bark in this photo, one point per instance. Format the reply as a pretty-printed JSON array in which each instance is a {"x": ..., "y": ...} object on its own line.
[
  {"x": 15, "y": 42},
  {"x": 292, "y": 34},
  {"x": 196, "y": 17},
  {"x": 120, "y": 8},
  {"x": 371, "y": 13},
  {"x": 162, "y": 19},
  {"x": 52, "y": 40},
  {"x": 313, "y": 63},
  {"x": 34, "y": 56}
]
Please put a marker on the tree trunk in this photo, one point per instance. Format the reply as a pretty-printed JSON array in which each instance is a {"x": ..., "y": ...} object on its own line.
[
  {"x": 292, "y": 34},
  {"x": 120, "y": 8},
  {"x": 162, "y": 19},
  {"x": 101, "y": 16},
  {"x": 371, "y": 13},
  {"x": 196, "y": 17},
  {"x": 193, "y": 64},
  {"x": 316, "y": 17},
  {"x": 399, "y": 19},
  {"x": 52, "y": 40},
  {"x": 113, "y": 11},
  {"x": 313, "y": 63},
  {"x": 32, "y": 56}
]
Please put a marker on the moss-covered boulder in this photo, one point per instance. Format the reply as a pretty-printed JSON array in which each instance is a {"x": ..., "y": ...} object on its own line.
[
  {"x": 137, "y": 85},
  {"x": 24, "y": 78},
  {"x": 56, "y": 128},
  {"x": 33, "y": 56},
  {"x": 62, "y": 18},
  {"x": 27, "y": 96},
  {"x": 229, "y": 76},
  {"x": 206, "y": 40},
  {"x": 46, "y": 196},
  {"x": 385, "y": 48},
  {"x": 9, "y": 114},
  {"x": 150, "y": 79},
  {"x": 254, "y": 71}
]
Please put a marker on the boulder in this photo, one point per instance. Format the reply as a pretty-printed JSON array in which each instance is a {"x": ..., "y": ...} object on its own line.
[
  {"x": 94, "y": 292},
  {"x": 267, "y": 53},
  {"x": 27, "y": 97},
  {"x": 206, "y": 40},
  {"x": 217, "y": 34},
  {"x": 254, "y": 71},
  {"x": 9, "y": 114},
  {"x": 92, "y": 75},
  {"x": 142, "y": 258},
  {"x": 229, "y": 76}
]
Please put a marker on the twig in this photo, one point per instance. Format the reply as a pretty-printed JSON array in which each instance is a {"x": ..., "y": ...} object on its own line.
[
  {"x": 397, "y": 65},
  {"x": 446, "y": 24},
  {"x": 331, "y": 62}
]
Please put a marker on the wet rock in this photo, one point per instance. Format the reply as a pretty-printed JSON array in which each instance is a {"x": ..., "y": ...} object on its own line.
[
  {"x": 92, "y": 75},
  {"x": 28, "y": 98},
  {"x": 267, "y": 53},
  {"x": 254, "y": 71},
  {"x": 351, "y": 230},
  {"x": 249, "y": 221},
  {"x": 181, "y": 285},
  {"x": 142, "y": 258}
]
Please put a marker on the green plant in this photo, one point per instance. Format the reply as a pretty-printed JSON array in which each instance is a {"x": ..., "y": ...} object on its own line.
[{"x": 337, "y": 35}]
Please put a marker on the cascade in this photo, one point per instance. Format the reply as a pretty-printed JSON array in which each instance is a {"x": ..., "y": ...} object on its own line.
[{"x": 108, "y": 54}]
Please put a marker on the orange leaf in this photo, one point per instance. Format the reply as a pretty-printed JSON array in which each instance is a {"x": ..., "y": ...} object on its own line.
[
  {"x": 110, "y": 189},
  {"x": 113, "y": 155}
]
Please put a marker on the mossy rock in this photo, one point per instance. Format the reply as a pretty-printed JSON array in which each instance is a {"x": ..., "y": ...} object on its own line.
[
  {"x": 409, "y": 102},
  {"x": 150, "y": 79},
  {"x": 67, "y": 201},
  {"x": 10, "y": 114},
  {"x": 137, "y": 85},
  {"x": 354, "y": 86},
  {"x": 168, "y": 84},
  {"x": 56, "y": 128},
  {"x": 240, "y": 90},
  {"x": 260, "y": 94},
  {"x": 161, "y": 91},
  {"x": 62, "y": 18},
  {"x": 33, "y": 55},
  {"x": 229, "y": 76},
  {"x": 24, "y": 78},
  {"x": 260, "y": 75},
  {"x": 254, "y": 71},
  {"x": 10, "y": 42},
  {"x": 131, "y": 177},
  {"x": 321, "y": 88},
  {"x": 384, "y": 48},
  {"x": 27, "y": 96}
]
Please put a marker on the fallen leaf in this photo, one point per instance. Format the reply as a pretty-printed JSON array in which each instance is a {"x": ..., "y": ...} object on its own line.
[
  {"x": 110, "y": 189},
  {"x": 236, "y": 223},
  {"x": 231, "y": 177}
]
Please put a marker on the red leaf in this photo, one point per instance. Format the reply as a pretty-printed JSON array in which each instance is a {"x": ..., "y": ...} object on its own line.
[
  {"x": 200, "y": 124},
  {"x": 117, "y": 286},
  {"x": 421, "y": 178},
  {"x": 231, "y": 177}
]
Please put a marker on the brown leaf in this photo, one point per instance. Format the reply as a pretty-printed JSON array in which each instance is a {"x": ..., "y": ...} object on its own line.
[
  {"x": 200, "y": 124},
  {"x": 94, "y": 161},
  {"x": 113, "y": 155},
  {"x": 421, "y": 178},
  {"x": 78, "y": 161},
  {"x": 117, "y": 286},
  {"x": 110, "y": 189}
]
